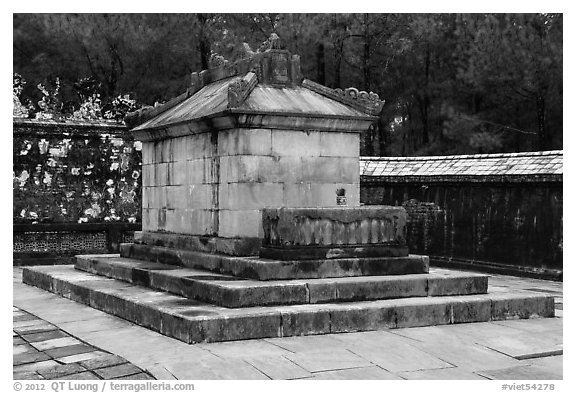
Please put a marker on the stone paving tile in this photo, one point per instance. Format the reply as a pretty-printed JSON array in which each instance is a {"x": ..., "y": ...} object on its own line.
[
  {"x": 363, "y": 373},
  {"x": 536, "y": 325},
  {"x": 69, "y": 350},
  {"x": 86, "y": 375},
  {"x": 159, "y": 372},
  {"x": 23, "y": 349},
  {"x": 121, "y": 370},
  {"x": 80, "y": 357},
  {"x": 102, "y": 323},
  {"x": 46, "y": 327},
  {"x": 243, "y": 348},
  {"x": 472, "y": 357},
  {"x": 452, "y": 373},
  {"x": 524, "y": 346},
  {"x": 35, "y": 366},
  {"x": 103, "y": 361},
  {"x": 213, "y": 369},
  {"x": 28, "y": 322},
  {"x": 399, "y": 357},
  {"x": 55, "y": 343},
  {"x": 35, "y": 337},
  {"x": 329, "y": 359},
  {"x": 29, "y": 358},
  {"x": 306, "y": 343},
  {"x": 552, "y": 363},
  {"x": 139, "y": 376},
  {"x": 61, "y": 370},
  {"x": 23, "y": 317},
  {"x": 277, "y": 367},
  {"x": 16, "y": 340},
  {"x": 26, "y": 375},
  {"x": 524, "y": 372},
  {"x": 470, "y": 332}
]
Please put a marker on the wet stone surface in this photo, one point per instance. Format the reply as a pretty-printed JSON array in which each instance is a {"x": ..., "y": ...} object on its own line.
[{"x": 43, "y": 354}]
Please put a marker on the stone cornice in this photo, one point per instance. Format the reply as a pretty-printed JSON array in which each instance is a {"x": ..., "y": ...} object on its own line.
[
  {"x": 234, "y": 118},
  {"x": 368, "y": 103}
]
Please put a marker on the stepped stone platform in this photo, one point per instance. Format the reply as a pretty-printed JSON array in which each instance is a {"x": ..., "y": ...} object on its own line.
[
  {"x": 233, "y": 292},
  {"x": 187, "y": 304},
  {"x": 268, "y": 269}
]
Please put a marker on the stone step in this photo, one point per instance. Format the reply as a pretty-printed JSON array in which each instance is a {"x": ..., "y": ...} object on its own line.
[
  {"x": 235, "y": 292},
  {"x": 268, "y": 269},
  {"x": 194, "y": 321}
]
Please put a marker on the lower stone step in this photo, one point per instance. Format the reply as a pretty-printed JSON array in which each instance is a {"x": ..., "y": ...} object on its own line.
[
  {"x": 234, "y": 292},
  {"x": 194, "y": 321},
  {"x": 268, "y": 269}
]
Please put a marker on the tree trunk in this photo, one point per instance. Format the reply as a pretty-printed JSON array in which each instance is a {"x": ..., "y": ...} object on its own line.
[
  {"x": 541, "y": 112},
  {"x": 366, "y": 55},
  {"x": 426, "y": 99},
  {"x": 339, "y": 49},
  {"x": 320, "y": 64},
  {"x": 203, "y": 44}
]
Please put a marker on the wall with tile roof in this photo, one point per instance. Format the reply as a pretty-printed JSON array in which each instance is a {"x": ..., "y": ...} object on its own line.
[
  {"x": 509, "y": 167},
  {"x": 493, "y": 210}
]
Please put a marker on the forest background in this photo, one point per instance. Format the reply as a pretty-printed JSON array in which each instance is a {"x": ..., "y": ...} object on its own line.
[{"x": 452, "y": 83}]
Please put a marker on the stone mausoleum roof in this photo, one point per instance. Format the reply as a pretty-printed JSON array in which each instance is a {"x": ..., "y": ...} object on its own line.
[
  {"x": 529, "y": 166},
  {"x": 263, "y": 83}
]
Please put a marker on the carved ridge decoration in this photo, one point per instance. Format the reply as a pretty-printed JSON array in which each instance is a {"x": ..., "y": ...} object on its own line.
[
  {"x": 367, "y": 102},
  {"x": 353, "y": 93},
  {"x": 239, "y": 90}
]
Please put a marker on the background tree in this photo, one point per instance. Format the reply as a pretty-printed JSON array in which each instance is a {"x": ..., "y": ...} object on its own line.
[{"x": 453, "y": 83}]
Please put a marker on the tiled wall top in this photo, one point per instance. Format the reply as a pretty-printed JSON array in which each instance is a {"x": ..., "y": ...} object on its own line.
[{"x": 543, "y": 164}]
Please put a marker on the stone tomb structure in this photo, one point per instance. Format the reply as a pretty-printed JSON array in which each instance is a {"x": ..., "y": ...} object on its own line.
[{"x": 252, "y": 225}]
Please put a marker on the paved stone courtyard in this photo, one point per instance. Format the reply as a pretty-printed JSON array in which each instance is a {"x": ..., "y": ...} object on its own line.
[{"x": 58, "y": 338}]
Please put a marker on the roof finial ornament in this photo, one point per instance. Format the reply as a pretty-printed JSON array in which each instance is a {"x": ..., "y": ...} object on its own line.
[
  {"x": 273, "y": 42},
  {"x": 216, "y": 60}
]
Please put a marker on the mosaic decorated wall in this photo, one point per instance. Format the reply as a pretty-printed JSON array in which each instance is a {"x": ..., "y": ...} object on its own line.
[{"x": 75, "y": 172}]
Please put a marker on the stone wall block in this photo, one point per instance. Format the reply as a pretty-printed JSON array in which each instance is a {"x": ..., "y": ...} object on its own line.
[
  {"x": 179, "y": 149},
  {"x": 245, "y": 141},
  {"x": 178, "y": 174},
  {"x": 198, "y": 146},
  {"x": 234, "y": 223},
  {"x": 157, "y": 148},
  {"x": 161, "y": 197},
  {"x": 298, "y": 195},
  {"x": 339, "y": 144},
  {"x": 161, "y": 174},
  {"x": 195, "y": 171},
  {"x": 250, "y": 196},
  {"x": 145, "y": 218},
  {"x": 162, "y": 219},
  {"x": 200, "y": 222},
  {"x": 209, "y": 175},
  {"x": 147, "y": 153},
  {"x": 296, "y": 143},
  {"x": 349, "y": 172},
  {"x": 177, "y": 197},
  {"x": 330, "y": 170},
  {"x": 167, "y": 152},
  {"x": 152, "y": 219},
  {"x": 199, "y": 196},
  {"x": 145, "y": 197}
]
